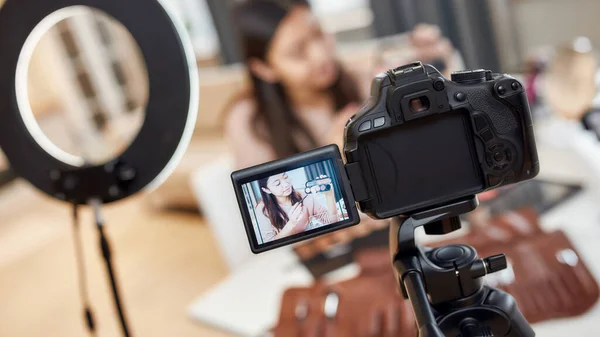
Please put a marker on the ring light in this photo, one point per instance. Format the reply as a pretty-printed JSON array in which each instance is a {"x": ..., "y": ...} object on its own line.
[{"x": 170, "y": 114}]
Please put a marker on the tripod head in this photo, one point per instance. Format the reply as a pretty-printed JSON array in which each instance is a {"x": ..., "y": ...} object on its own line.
[{"x": 445, "y": 285}]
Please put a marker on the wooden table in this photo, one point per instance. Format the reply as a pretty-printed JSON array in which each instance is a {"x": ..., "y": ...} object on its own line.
[{"x": 163, "y": 260}]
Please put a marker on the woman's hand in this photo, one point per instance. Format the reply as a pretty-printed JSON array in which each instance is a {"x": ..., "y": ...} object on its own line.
[
  {"x": 325, "y": 212},
  {"x": 430, "y": 46},
  {"x": 330, "y": 202},
  {"x": 298, "y": 218},
  {"x": 425, "y": 43}
]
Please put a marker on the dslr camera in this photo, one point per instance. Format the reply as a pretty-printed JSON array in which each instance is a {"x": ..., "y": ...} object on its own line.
[{"x": 419, "y": 142}]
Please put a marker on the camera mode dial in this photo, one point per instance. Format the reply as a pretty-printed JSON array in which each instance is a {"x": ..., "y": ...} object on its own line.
[{"x": 472, "y": 76}]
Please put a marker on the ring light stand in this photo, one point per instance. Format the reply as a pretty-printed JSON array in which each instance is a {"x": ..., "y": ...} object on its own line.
[{"x": 158, "y": 147}]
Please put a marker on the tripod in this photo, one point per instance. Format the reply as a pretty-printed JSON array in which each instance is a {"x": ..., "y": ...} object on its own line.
[{"x": 445, "y": 286}]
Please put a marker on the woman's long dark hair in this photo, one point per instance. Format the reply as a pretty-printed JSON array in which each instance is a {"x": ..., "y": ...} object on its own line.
[
  {"x": 272, "y": 210},
  {"x": 257, "y": 21}
]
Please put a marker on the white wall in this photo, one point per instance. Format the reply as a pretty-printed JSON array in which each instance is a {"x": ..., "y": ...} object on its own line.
[{"x": 545, "y": 22}]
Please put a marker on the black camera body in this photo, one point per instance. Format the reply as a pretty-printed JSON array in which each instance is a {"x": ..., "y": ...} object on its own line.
[
  {"x": 418, "y": 152},
  {"x": 422, "y": 140}
]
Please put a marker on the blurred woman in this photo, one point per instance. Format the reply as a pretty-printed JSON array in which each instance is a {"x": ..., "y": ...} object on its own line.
[{"x": 300, "y": 97}]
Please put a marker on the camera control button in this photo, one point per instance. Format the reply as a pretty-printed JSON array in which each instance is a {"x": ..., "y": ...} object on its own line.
[
  {"x": 365, "y": 126},
  {"x": 494, "y": 181},
  {"x": 501, "y": 90},
  {"x": 439, "y": 85},
  {"x": 499, "y": 156},
  {"x": 460, "y": 96},
  {"x": 515, "y": 85},
  {"x": 489, "y": 160},
  {"x": 378, "y": 122},
  {"x": 500, "y": 167},
  {"x": 487, "y": 135},
  {"x": 496, "y": 147},
  {"x": 480, "y": 123}
]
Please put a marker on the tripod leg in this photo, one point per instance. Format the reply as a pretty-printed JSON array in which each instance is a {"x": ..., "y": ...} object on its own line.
[
  {"x": 506, "y": 303},
  {"x": 415, "y": 289}
]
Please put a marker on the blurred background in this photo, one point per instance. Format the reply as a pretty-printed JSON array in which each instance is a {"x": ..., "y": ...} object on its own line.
[{"x": 181, "y": 251}]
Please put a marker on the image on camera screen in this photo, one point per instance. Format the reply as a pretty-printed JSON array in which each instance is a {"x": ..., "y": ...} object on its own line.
[{"x": 295, "y": 201}]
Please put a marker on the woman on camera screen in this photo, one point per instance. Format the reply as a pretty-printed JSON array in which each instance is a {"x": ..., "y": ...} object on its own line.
[
  {"x": 284, "y": 211},
  {"x": 300, "y": 97}
]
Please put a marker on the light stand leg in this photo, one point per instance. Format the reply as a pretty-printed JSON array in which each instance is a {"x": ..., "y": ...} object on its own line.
[
  {"x": 81, "y": 273},
  {"x": 106, "y": 253}
]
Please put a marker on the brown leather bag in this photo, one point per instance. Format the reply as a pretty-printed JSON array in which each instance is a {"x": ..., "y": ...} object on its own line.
[
  {"x": 369, "y": 305},
  {"x": 550, "y": 278},
  {"x": 546, "y": 276}
]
